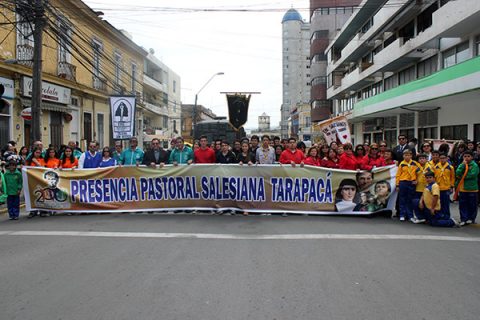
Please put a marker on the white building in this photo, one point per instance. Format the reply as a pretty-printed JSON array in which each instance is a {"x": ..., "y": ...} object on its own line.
[
  {"x": 408, "y": 67},
  {"x": 295, "y": 65},
  {"x": 162, "y": 101},
  {"x": 264, "y": 122}
]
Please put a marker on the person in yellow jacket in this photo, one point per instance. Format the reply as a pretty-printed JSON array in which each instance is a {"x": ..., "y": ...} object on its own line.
[
  {"x": 406, "y": 180},
  {"x": 424, "y": 166},
  {"x": 445, "y": 177}
]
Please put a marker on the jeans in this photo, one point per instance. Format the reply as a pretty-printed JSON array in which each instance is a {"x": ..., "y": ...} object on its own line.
[
  {"x": 405, "y": 195},
  {"x": 445, "y": 202},
  {"x": 468, "y": 206},
  {"x": 13, "y": 205}
]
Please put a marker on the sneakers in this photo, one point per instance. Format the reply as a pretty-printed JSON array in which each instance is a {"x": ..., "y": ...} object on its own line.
[
  {"x": 469, "y": 222},
  {"x": 462, "y": 223},
  {"x": 417, "y": 221},
  {"x": 456, "y": 224},
  {"x": 402, "y": 218}
]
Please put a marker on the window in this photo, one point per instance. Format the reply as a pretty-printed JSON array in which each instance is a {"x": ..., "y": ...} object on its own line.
[
  {"x": 319, "y": 80},
  {"x": 390, "y": 83},
  {"x": 427, "y": 133},
  {"x": 134, "y": 76},
  {"x": 367, "y": 26},
  {"x": 457, "y": 54},
  {"x": 454, "y": 132},
  {"x": 477, "y": 46},
  {"x": 174, "y": 86},
  {"x": 97, "y": 47},
  {"x": 408, "y": 31},
  {"x": 407, "y": 75},
  {"x": 424, "y": 19},
  {"x": 100, "y": 129},
  {"x": 427, "y": 67},
  {"x": 117, "y": 57},
  {"x": 476, "y": 132},
  {"x": 64, "y": 42},
  {"x": 87, "y": 126}
]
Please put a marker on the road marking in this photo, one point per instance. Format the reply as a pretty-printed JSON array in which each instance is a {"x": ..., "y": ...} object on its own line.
[{"x": 219, "y": 236}]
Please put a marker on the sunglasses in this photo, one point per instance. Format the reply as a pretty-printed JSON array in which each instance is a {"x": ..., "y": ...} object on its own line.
[
  {"x": 373, "y": 148},
  {"x": 383, "y": 146}
]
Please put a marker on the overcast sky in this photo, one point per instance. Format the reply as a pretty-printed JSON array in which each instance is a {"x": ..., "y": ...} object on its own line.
[{"x": 246, "y": 46}]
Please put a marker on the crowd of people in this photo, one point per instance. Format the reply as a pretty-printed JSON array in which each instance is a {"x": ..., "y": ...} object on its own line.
[{"x": 427, "y": 175}]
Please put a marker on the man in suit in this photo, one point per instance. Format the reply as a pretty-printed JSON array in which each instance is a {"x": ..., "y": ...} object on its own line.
[
  {"x": 401, "y": 147},
  {"x": 156, "y": 155}
]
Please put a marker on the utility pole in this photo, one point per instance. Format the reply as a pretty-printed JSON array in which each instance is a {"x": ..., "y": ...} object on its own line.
[{"x": 39, "y": 21}]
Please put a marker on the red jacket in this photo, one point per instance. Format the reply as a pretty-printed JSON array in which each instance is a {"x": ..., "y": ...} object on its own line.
[
  {"x": 288, "y": 156},
  {"x": 348, "y": 162},
  {"x": 327, "y": 163},
  {"x": 369, "y": 162},
  {"x": 313, "y": 161},
  {"x": 204, "y": 156}
]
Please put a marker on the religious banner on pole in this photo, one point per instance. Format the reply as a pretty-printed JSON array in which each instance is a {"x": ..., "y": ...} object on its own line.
[
  {"x": 336, "y": 129},
  {"x": 122, "y": 109},
  {"x": 260, "y": 188},
  {"x": 238, "y": 109}
]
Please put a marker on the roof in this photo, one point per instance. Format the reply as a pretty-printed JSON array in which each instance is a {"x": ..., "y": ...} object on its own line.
[{"x": 292, "y": 15}]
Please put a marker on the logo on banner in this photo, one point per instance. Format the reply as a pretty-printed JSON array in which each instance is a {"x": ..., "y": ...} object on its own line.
[
  {"x": 238, "y": 109},
  {"x": 51, "y": 196},
  {"x": 123, "y": 117}
]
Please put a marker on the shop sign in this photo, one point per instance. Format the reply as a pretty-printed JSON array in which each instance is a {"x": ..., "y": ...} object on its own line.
[
  {"x": 50, "y": 92},
  {"x": 8, "y": 84}
]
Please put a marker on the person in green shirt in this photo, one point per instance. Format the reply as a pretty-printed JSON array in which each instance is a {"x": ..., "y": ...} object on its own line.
[
  {"x": 466, "y": 184},
  {"x": 181, "y": 154},
  {"x": 13, "y": 186}
]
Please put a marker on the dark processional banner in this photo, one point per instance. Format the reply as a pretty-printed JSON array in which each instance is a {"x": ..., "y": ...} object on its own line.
[{"x": 257, "y": 188}]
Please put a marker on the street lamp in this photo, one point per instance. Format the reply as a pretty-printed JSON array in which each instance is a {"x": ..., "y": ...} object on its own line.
[{"x": 196, "y": 99}]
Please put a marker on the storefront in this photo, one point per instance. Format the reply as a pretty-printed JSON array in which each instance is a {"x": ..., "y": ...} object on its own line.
[{"x": 6, "y": 104}]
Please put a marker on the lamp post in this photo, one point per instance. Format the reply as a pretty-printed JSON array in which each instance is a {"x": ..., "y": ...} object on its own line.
[{"x": 194, "y": 120}]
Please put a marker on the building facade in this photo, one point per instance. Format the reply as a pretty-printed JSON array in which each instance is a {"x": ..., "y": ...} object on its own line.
[
  {"x": 161, "y": 101},
  {"x": 85, "y": 60},
  {"x": 264, "y": 122},
  {"x": 188, "y": 112},
  {"x": 326, "y": 18},
  {"x": 411, "y": 68},
  {"x": 295, "y": 65}
]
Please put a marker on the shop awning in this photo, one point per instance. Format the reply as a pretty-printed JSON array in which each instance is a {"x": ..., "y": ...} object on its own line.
[{"x": 48, "y": 106}]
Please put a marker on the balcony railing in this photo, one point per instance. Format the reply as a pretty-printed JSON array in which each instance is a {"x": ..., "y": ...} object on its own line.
[
  {"x": 99, "y": 84},
  {"x": 25, "y": 55},
  {"x": 67, "y": 71}
]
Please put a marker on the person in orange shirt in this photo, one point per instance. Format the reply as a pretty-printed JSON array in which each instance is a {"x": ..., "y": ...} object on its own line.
[
  {"x": 35, "y": 159},
  {"x": 51, "y": 160},
  {"x": 69, "y": 161}
]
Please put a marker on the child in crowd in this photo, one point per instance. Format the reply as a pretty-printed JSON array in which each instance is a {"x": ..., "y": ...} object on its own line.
[
  {"x": 445, "y": 178},
  {"x": 467, "y": 187},
  {"x": 424, "y": 167},
  {"x": 406, "y": 180},
  {"x": 13, "y": 183},
  {"x": 430, "y": 204}
]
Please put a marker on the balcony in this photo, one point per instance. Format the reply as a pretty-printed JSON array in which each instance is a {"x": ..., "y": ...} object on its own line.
[
  {"x": 155, "y": 107},
  {"x": 154, "y": 84},
  {"x": 67, "y": 71},
  {"x": 25, "y": 55},
  {"x": 99, "y": 84}
]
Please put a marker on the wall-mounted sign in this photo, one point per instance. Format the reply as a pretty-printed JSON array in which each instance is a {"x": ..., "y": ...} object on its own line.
[
  {"x": 26, "y": 114},
  {"x": 8, "y": 88},
  {"x": 50, "y": 91}
]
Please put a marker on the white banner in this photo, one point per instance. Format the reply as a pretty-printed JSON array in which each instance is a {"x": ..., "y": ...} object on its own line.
[
  {"x": 123, "y": 116},
  {"x": 336, "y": 129}
]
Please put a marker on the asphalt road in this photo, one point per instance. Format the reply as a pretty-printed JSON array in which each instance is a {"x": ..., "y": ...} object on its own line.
[{"x": 131, "y": 266}]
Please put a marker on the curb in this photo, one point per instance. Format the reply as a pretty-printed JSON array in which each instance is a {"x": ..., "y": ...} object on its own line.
[{"x": 5, "y": 210}]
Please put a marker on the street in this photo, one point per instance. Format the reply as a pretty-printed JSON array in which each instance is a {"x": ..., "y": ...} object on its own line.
[{"x": 140, "y": 266}]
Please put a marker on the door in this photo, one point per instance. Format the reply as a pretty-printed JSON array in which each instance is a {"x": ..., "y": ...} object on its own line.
[
  {"x": 100, "y": 129},
  {"x": 87, "y": 127},
  {"x": 56, "y": 129}
]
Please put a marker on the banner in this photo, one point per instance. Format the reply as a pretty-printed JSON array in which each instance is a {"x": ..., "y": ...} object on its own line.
[
  {"x": 238, "y": 109},
  {"x": 258, "y": 188},
  {"x": 336, "y": 129},
  {"x": 122, "y": 109}
]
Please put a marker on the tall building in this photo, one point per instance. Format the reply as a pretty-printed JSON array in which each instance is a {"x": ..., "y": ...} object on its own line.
[
  {"x": 408, "y": 67},
  {"x": 326, "y": 19},
  {"x": 295, "y": 65},
  {"x": 264, "y": 122}
]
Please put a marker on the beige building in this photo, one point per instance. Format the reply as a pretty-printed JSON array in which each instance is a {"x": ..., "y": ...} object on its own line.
[{"x": 85, "y": 60}]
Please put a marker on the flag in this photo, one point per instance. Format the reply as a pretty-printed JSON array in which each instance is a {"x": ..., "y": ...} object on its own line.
[
  {"x": 122, "y": 109},
  {"x": 238, "y": 109}
]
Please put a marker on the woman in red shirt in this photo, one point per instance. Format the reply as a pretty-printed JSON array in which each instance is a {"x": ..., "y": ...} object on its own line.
[
  {"x": 68, "y": 161},
  {"x": 312, "y": 157},
  {"x": 331, "y": 160},
  {"x": 373, "y": 159},
  {"x": 347, "y": 159},
  {"x": 51, "y": 160}
]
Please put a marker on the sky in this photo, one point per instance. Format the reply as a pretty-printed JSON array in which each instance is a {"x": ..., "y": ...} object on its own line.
[{"x": 197, "y": 39}]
